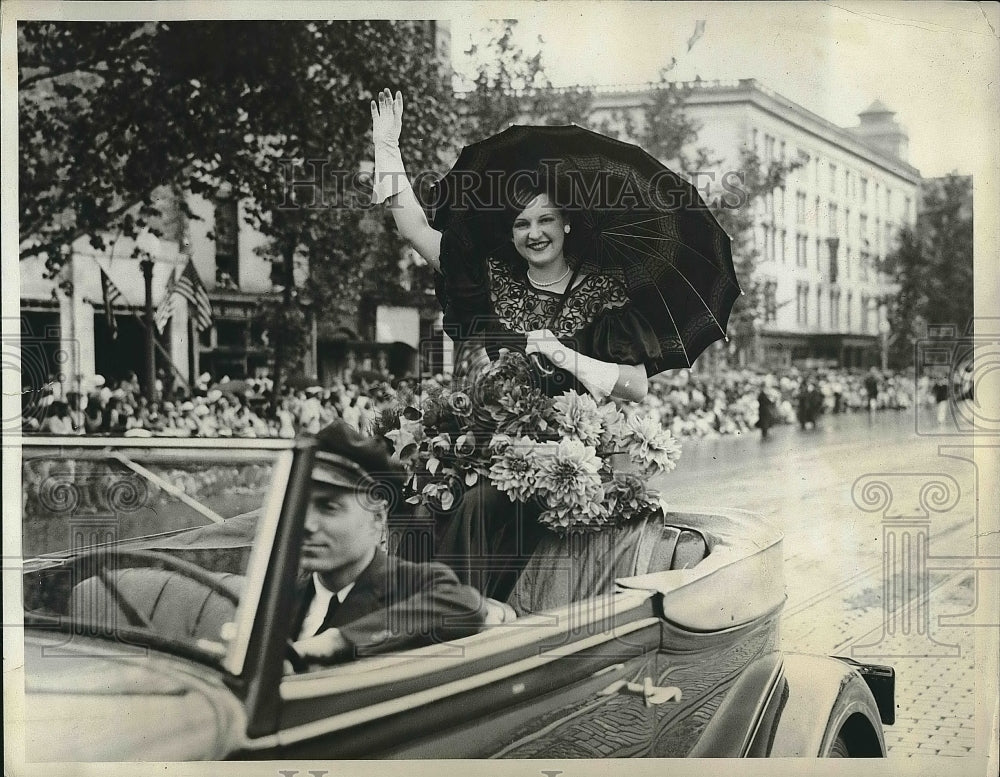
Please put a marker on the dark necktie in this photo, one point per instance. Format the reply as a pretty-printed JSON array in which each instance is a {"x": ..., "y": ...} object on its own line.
[{"x": 331, "y": 613}]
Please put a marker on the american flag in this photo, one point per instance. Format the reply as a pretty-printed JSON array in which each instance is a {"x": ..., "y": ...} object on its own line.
[
  {"x": 111, "y": 296},
  {"x": 190, "y": 287},
  {"x": 166, "y": 307}
]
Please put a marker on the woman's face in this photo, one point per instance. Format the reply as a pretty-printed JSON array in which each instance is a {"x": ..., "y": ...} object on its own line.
[{"x": 538, "y": 232}]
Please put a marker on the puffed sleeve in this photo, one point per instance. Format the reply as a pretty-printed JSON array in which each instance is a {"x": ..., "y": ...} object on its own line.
[
  {"x": 462, "y": 286},
  {"x": 624, "y": 336}
]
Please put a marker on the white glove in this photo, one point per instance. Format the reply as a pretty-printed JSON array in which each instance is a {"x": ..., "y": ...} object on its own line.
[
  {"x": 387, "y": 122},
  {"x": 599, "y": 378}
]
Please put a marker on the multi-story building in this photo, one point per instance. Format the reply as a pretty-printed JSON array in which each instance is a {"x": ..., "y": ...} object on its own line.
[{"x": 821, "y": 237}]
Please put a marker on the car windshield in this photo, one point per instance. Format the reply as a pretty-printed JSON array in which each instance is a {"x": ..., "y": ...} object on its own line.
[{"x": 156, "y": 543}]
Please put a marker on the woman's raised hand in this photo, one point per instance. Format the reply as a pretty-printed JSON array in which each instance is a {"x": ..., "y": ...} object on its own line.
[{"x": 387, "y": 119}]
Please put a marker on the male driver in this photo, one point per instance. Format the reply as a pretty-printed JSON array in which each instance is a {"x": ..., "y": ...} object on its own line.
[{"x": 353, "y": 598}]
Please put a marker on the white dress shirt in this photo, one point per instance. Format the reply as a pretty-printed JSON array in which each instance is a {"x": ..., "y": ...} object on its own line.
[{"x": 320, "y": 604}]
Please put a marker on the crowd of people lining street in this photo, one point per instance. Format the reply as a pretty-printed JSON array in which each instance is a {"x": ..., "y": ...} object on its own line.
[{"x": 691, "y": 404}]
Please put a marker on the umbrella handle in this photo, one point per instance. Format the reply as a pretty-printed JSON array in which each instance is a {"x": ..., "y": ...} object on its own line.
[{"x": 544, "y": 366}]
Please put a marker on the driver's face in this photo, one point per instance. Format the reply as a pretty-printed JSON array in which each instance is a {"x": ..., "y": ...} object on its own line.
[{"x": 341, "y": 533}]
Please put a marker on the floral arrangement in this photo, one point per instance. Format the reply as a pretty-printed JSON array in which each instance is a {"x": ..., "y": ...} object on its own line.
[{"x": 586, "y": 463}]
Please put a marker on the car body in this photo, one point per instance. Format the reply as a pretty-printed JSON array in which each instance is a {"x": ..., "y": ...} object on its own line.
[{"x": 154, "y": 630}]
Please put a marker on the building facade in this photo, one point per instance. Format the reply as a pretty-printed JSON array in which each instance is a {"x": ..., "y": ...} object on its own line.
[{"x": 822, "y": 236}]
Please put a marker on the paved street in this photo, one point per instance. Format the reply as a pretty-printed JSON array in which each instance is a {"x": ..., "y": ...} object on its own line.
[{"x": 803, "y": 482}]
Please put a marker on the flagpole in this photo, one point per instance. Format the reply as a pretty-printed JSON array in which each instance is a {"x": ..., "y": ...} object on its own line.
[{"x": 147, "y": 274}]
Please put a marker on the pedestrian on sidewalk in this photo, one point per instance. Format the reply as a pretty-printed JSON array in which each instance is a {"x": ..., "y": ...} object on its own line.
[
  {"x": 765, "y": 407},
  {"x": 871, "y": 388}
]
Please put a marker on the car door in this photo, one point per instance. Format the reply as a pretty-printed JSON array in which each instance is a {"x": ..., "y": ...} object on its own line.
[{"x": 569, "y": 683}]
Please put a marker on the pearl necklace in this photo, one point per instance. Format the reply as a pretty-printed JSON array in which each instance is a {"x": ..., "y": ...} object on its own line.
[{"x": 560, "y": 279}]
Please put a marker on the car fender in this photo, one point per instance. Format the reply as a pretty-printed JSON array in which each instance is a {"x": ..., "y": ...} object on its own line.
[
  {"x": 793, "y": 705},
  {"x": 821, "y": 698}
]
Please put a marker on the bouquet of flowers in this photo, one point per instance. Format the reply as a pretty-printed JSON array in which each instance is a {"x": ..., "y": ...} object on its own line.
[{"x": 586, "y": 463}]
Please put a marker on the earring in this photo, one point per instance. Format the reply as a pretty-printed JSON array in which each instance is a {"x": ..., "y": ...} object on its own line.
[{"x": 566, "y": 229}]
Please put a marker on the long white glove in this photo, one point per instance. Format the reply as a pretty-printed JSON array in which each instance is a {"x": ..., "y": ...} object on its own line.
[
  {"x": 599, "y": 378},
  {"x": 387, "y": 122}
]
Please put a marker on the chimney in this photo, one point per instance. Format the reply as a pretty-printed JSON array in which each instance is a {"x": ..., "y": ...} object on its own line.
[{"x": 880, "y": 130}]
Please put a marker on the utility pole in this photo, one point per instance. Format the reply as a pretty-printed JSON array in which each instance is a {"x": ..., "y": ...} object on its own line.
[{"x": 150, "y": 382}]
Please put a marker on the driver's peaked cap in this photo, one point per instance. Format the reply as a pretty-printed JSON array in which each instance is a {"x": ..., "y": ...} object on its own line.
[{"x": 346, "y": 459}]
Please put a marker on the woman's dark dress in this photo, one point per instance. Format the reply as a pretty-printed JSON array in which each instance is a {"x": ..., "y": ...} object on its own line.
[{"x": 488, "y": 539}]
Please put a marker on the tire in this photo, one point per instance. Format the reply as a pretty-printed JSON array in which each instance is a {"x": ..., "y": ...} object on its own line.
[{"x": 839, "y": 748}]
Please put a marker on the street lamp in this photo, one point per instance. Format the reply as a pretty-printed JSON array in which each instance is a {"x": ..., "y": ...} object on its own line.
[{"x": 884, "y": 329}]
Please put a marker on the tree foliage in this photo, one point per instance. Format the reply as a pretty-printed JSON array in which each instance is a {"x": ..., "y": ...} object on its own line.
[
  {"x": 932, "y": 268},
  {"x": 113, "y": 114},
  {"x": 510, "y": 87}
]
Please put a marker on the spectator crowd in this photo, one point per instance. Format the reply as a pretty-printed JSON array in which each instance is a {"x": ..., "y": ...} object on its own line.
[{"x": 691, "y": 404}]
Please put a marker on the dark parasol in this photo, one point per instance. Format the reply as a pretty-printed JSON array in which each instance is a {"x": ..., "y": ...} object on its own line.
[{"x": 632, "y": 217}]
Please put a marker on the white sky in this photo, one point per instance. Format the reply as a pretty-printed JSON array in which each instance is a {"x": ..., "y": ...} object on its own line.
[{"x": 935, "y": 64}]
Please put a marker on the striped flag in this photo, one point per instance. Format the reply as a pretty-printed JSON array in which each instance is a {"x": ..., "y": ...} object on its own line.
[
  {"x": 190, "y": 287},
  {"x": 111, "y": 296},
  {"x": 166, "y": 307}
]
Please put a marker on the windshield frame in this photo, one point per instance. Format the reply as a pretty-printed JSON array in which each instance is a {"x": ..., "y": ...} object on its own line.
[{"x": 233, "y": 660}]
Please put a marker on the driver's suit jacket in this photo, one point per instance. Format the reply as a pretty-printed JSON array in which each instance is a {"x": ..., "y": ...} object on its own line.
[{"x": 396, "y": 604}]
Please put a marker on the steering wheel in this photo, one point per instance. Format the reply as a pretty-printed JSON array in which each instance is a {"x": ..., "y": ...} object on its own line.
[{"x": 121, "y": 557}]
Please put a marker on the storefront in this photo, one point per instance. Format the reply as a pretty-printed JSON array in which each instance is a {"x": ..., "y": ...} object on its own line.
[{"x": 781, "y": 350}]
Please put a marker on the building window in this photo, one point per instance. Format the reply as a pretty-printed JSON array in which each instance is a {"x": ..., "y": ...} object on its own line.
[
  {"x": 819, "y": 307},
  {"x": 774, "y": 237},
  {"x": 802, "y": 304},
  {"x": 862, "y": 227},
  {"x": 819, "y": 253},
  {"x": 847, "y": 223},
  {"x": 908, "y": 205},
  {"x": 864, "y": 312},
  {"x": 227, "y": 260},
  {"x": 817, "y": 215},
  {"x": 768, "y": 149},
  {"x": 864, "y": 189},
  {"x": 835, "y": 309},
  {"x": 800, "y": 208},
  {"x": 888, "y": 200},
  {"x": 770, "y": 302},
  {"x": 833, "y": 244},
  {"x": 878, "y": 235},
  {"x": 850, "y": 303},
  {"x": 782, "y": 151},
  {"x": 833, "y": 178},
  {"x": 834, "y": 227},
  {"x": 848, "y": 258},
  {"x": 753, "y": 139},
  {"x": 800, "y": 250},
  {"x": 877, "y": 203},
  {"x": 847, "y": 183},
  {"x": 781, "y": 245}
]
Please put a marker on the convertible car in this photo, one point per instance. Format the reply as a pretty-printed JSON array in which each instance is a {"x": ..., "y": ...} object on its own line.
[{"x": 158, "y": 577}]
